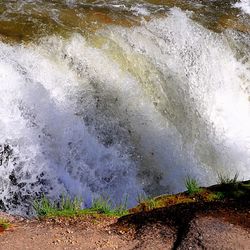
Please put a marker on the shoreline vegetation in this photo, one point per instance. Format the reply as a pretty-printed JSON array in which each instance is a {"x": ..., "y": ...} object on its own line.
[
  {"x": 67, "y": 207},
  {"x": 227, "y": 189},
  {"x": 199, "y": 218}
]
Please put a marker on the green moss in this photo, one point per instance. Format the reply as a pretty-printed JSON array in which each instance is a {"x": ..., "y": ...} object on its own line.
[
  {"x": 195, "y": 194},
  {"x": 245, "y": 186},
  {"x": 214, "y": 196},
  {"x": 161, "y": 201}
]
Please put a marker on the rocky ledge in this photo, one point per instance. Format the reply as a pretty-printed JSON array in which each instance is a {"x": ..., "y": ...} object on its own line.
[{"x": 217, "y": 217}]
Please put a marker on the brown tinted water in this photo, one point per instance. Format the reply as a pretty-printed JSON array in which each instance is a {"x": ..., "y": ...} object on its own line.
[{"x": 22, "y": 21}]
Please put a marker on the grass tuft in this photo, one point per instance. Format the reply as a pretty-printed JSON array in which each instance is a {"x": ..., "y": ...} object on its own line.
[
  {"x": 192, "y": 186},
  {"x": 226, "y": 179},
  {"x": 68, "y": 207},
  {"x": 146, "y": 203},
  {"x": 65, "y": 206},
  {"x": 4, "y": 223},
  {"x": 152, "y": 203},
  {"x": 105, "y": 206},
  {"x": 141, "y": 197}
]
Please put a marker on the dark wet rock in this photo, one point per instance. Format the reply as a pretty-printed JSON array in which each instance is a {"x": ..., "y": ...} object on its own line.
[{"x": 202, "y": 225}]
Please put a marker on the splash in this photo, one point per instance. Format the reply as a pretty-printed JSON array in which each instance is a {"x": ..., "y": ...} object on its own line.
[
  {"x": 244, "y": 5},
  {"x": 45, "y": 145},
  {"x": 125, "y": 111}
]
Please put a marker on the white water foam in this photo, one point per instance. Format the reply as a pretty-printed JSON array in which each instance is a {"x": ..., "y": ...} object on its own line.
[
  {"x": 244, "y": 5},
  {"x": 53, "y": 151},
  {"x": 206, "y": 103},
  {"x": 133, "y": 109},
  {"x": 139, "y": 10}
]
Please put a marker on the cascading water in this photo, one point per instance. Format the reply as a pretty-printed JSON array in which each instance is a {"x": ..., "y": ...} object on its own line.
[
  {"x": 123, "y": 109},
  {"x": 244, "y": 5}
]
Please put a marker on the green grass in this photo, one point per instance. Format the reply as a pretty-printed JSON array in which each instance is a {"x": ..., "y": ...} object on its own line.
[
  {"x": 65, "y": 206},
  {"x": 4, "y": 223},
  {"x": 72, "y": 207},
  {"x": 105, "y": 206},
  {"x": 192, "y": 186},
  {"x": 147, "y": 202},
  {"x": 141, "y": 197},
  {"x": 226, "y": 179},
  {"x": 151, "y": 203},
  {"x": 215, "y": 196}
]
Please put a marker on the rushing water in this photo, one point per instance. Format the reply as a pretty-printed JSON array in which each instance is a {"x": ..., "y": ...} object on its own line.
[
  {"x": 120, "y": 98},
  {"x": 244, "y": 5}
]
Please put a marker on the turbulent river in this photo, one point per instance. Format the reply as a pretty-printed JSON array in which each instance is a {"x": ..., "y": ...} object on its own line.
[{"x": 121, "y": 98}]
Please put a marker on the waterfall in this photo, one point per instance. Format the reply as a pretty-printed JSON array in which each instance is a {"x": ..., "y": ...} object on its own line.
[{"x": 124, "y": 111}]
